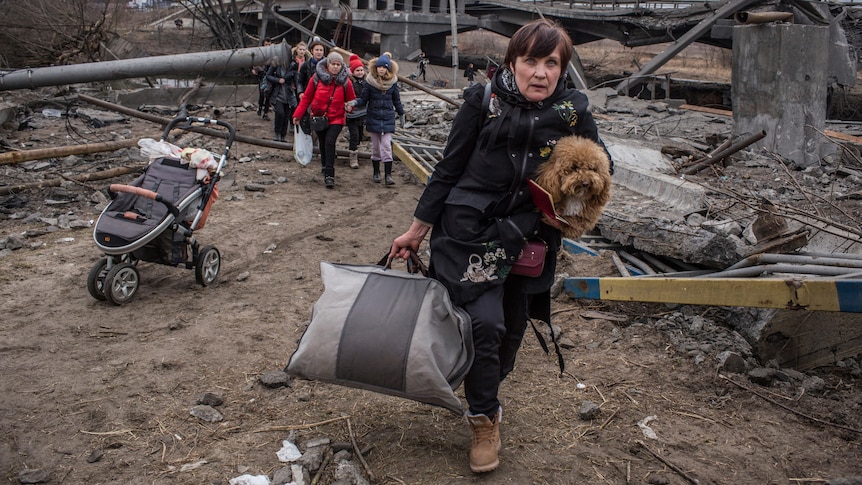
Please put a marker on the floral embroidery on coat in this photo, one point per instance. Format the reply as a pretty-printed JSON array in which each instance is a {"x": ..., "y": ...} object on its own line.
[
  {"x": 485, "y": 267},
  {"x": 567, "y": 111}
]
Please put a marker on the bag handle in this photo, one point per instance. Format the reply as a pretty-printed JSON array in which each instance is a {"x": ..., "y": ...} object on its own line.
[{"x": 414, "y": 263}]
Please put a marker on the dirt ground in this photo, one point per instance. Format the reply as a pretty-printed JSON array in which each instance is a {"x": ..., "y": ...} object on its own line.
[{"x": 100, "y": 394}]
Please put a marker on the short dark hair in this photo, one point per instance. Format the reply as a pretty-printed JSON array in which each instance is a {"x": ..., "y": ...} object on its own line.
[{"x": 540, "y": 38}]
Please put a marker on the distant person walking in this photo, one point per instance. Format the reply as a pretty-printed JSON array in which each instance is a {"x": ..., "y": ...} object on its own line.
[
  {"x": 423, "y": 63},
  {"x": 470, "y": 74},
  {"x": 381, "y": 96}
]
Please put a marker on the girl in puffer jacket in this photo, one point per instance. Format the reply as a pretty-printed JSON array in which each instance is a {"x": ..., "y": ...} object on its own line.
[{"x": 383, "y": 99}]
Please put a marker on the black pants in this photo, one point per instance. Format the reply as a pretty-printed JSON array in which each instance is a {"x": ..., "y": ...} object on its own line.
[
  {"x": 282, "y": 118},
  {"x": 326, "y": 141},
  {"x": 354, "y": 127},
  {"x": 263, "y": 100},
  {"x": 499, "y": 322}
]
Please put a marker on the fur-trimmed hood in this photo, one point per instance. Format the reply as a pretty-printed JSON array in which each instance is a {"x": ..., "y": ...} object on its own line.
[
  {"x": 322, "y": 71},
  {"x": 374, "y": 79}
]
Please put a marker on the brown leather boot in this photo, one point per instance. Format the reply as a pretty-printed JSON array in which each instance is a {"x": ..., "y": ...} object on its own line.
[
  {"x": 486, "y": 442},
  {"x": 354, "y": 159}
]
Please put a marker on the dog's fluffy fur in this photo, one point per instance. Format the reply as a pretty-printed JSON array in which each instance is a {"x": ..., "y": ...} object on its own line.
[{"x": 578, "y": 177}]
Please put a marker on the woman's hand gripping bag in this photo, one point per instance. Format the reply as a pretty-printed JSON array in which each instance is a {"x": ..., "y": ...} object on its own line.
[{"x": 386, "y": 331}]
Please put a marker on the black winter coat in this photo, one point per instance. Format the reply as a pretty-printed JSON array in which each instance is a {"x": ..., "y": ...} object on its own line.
[
  {"x": 477, "y": 197},
  {"x": 305, "y": 72},
  {"x": 281, "y": 93},
  {"x": 383, "y": 101}
]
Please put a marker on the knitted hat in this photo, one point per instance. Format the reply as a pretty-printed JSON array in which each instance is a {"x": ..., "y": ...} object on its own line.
[
  {"x": 385, "y": 61},
  {"x": 355, "y": 62},
  {"x": 315, "y": 41},
  {"x": 334, "y": 57}
]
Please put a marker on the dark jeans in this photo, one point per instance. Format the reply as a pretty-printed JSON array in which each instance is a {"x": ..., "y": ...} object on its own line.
[
  {"x": 326, "y": 141},
  {"x": 282, "y": 118},
  {"x": 499, "y": 322},
  {"x": 354, "y": 127}
]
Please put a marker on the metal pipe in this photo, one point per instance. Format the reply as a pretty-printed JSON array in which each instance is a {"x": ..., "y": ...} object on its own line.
[
  {"x": 762, "y": 17},
  {"x": 637, "y": 262},
  {"x": 658, "y": 263},
  {"x": 832, "y": 255},
  {"x": 196, "y": 62},
  {"x": 782, "y": 268},
  {"x": 831, "y": 260}
]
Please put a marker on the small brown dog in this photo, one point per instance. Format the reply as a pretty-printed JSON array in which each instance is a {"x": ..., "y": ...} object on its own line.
[{"x": 578, "y": 177}]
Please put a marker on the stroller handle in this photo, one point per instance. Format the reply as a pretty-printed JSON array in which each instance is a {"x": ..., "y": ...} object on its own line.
[
  {"x": 203, "y": 121},
  {"x": 149, "y": 194}
]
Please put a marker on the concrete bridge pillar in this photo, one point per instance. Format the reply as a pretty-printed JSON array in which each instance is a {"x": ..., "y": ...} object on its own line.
[
  {"x": 777, "y": 90},
  {"x": 400, "y": 45}
]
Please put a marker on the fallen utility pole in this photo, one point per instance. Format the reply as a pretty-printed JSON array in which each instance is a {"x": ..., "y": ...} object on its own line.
[
  {"x": 56, "y": 182},
  {"x": 196, "y": 62},
  {"x": 10, "y": 158}
]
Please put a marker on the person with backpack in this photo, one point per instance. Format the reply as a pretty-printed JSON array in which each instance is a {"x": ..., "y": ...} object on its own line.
[
  {"x": 283, "y": 99},
  {"x": 383, "y": 99},
  {"x": 479, "y": 212},
  {"x": 326, "y": 96},
  {"x": 356, "y": 116}
]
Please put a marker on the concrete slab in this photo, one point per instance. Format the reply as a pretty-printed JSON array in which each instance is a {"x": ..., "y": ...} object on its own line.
[{"x": 647, "y": 171}]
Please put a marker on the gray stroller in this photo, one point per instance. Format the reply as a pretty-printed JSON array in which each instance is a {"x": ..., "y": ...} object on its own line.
[{"x": 153, "y": 219}]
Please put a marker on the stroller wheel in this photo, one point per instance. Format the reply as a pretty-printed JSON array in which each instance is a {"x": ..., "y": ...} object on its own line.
[
  {"x": 96, "y": 279},
  {"x": 121, "y": 283},
  {"x": 207, "y": 265}
]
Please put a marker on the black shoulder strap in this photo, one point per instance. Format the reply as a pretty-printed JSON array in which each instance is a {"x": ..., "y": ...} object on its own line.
[
  {"x": 486, "y": 106},
  {"x": 486, "y": 100}
]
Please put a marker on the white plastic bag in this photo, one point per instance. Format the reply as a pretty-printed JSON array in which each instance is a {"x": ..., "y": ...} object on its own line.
[
  {"x": 153, "y": 149},
  {"x": 303, "y": 146}
]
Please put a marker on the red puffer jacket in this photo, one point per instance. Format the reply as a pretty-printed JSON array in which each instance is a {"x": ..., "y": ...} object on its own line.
[{"x": 321, "y": 87}]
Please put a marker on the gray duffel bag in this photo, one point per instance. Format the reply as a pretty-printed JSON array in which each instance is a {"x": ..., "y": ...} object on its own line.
[{"x": 387, "y": 331}]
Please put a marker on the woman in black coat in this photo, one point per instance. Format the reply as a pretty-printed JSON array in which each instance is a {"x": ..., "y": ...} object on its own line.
[
  {"x": 479, "y": 206},
  {"x": 282, "y": 98}
]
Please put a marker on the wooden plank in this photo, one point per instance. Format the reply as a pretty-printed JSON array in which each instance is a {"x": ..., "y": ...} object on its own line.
[
  {"x": 843, "y": 137},
  {"x": 416, "y": 167},
  {"x": 791, "y": 294},
  {"x": 704, "y": 109}
]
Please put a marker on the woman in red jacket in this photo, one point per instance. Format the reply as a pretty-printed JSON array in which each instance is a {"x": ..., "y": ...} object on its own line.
[{"x": 326, "y": 94}]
